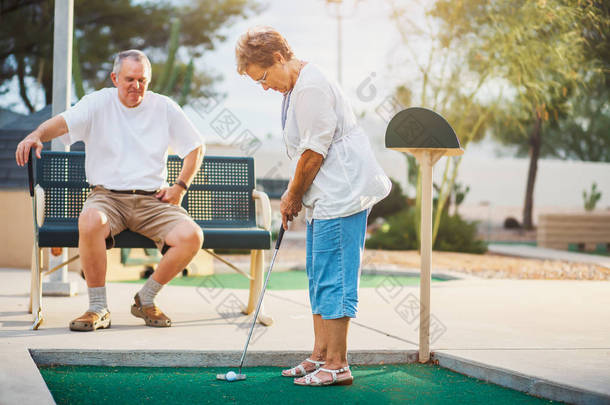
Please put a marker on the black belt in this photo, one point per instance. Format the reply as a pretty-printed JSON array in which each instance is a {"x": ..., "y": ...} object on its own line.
[{"x": 139, "y": 192}]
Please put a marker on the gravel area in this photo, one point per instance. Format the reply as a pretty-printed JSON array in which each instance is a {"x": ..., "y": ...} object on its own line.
[
  {"x": 491, "y": 265},
  {"x": 485, "y": 265}
]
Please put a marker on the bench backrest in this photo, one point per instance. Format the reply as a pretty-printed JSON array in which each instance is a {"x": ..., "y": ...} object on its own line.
[{"x": 219, "y": 196}]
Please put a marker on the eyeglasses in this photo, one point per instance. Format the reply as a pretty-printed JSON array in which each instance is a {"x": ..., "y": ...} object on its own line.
[{"x": 262, "y": 80}]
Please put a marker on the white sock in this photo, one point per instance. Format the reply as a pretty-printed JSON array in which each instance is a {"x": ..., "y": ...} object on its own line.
[
  {"x": 149, "y": 291},
  {"x": 97, "y": 300}
]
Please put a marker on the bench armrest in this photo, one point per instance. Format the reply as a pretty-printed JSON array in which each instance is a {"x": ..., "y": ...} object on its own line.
[
  {"x": 40, "y": 207},
  {"x": 265, "y": 208}
]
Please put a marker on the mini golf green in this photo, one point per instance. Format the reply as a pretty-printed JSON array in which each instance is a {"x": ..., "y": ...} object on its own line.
[
  {"x": 283, "y": 280},
  {"x": 385, "y": 384}
]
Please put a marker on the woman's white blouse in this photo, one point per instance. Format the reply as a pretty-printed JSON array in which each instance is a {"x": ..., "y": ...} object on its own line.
[{"x": 320, "y": 118}]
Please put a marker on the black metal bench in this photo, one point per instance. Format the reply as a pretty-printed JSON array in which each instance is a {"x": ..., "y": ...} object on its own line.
[{"x": 221, "y": 199}]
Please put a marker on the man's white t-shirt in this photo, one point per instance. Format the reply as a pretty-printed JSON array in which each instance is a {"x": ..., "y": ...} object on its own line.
[
  {"x": 127, "y": 148},
  {"x": 320, "y": 118}
]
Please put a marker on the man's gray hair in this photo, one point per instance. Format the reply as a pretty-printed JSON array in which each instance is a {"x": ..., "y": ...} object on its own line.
[{"x": 133, "y": 54}]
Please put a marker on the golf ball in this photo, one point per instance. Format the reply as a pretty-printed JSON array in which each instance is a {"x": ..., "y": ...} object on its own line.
[{"x": 231, "y": 376}]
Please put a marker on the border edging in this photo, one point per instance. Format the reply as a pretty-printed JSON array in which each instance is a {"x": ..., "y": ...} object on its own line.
[{"x": 521, "y": 382}]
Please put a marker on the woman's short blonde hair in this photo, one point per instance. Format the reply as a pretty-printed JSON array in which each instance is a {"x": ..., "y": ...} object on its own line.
[{"x": 258, "y": 45}]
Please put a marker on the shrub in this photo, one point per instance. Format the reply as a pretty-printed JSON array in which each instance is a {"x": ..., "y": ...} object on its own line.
[
  {"x": 511, "y": 223},
  {"x": 454, "y": 234},
  {"x": 398, "y": 233},
  {"x": 395, "y": 202}
]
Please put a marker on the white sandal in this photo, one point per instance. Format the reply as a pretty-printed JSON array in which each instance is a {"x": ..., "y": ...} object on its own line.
[
  {"x": 299, "y": 371},
  {"x": 313, "y": 380}
]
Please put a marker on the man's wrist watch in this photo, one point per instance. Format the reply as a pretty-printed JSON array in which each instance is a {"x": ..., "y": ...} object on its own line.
[{"x": 182, "y": 184}]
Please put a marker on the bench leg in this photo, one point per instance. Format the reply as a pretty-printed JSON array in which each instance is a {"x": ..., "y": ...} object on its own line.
[
  {"x": 257, "y": 273},
  {"x": 36, "y": 287}
]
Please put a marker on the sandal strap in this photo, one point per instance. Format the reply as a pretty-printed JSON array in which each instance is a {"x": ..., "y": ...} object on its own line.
[
  {"x": 316, "y": 363},
  {"x": 333, "y": 373},
  {"x": 313, "y": 377},
  {"x": 299, "y": 368},
  {"x": 340, "y": 370},
  {"x": 293, "y": 371}
]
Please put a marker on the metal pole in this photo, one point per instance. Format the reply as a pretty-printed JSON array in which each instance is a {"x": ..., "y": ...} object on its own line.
[
  {"x": 426, "y": 164},
  {"x": 339, "y": 17},
  {"x": 62, "y": 91},
  {"x": 62, "y": 61},
  {"x": 339, "y": 44}
]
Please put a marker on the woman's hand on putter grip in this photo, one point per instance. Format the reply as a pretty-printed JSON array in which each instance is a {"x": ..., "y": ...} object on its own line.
[{"x": 290, "y": 206}]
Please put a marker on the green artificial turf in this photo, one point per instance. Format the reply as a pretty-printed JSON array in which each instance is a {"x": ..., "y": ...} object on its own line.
[
  {"x": 385, "y": 384},
  {"x": 281, "y": 280}
]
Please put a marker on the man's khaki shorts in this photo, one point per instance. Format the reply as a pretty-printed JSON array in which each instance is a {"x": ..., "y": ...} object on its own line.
[{"x": 144, "y": 214}]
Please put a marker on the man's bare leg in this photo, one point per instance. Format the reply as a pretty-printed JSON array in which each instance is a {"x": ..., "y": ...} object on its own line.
[
  {"x": 93, "y": 229},
  {"x": 184, "y": 240}
]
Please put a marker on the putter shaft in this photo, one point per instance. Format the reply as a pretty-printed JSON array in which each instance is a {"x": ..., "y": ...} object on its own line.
[{"x": 260, "y": 298}]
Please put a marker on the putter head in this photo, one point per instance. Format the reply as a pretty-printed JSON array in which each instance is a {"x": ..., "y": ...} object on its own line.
[{"x": 238, "y": 377}]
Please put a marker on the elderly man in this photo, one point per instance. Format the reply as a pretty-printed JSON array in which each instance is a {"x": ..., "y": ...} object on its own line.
[{"x": 127, "y": 131}]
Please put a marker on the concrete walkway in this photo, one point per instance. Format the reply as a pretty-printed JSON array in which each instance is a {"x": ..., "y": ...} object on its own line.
[
  {"x": 534, "y": 252},
  {"x": 549, "y": 338}
]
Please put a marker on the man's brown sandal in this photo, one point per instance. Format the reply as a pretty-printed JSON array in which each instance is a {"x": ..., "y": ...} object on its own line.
[
  {"x": 152, "y": 315},
  {"x": 90, "y": 321}
]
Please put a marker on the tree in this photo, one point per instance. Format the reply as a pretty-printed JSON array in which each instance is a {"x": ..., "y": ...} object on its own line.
[
  {"x": 395, "y": 202},
  {"x": 101, "y": 29},
  {"x": 440, "y": 81},
  {"x": 583, "y": 134},
  {"x": 535, "y": 49}
]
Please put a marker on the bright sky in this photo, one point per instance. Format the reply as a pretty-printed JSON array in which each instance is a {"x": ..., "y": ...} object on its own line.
[
  {"x": 311, "y": 30},
  {"x": 371, "y": 56},
  {"x": 373, "y": 60}
]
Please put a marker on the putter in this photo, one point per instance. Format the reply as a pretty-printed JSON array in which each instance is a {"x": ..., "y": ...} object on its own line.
[{"x": 231, "y": 375}]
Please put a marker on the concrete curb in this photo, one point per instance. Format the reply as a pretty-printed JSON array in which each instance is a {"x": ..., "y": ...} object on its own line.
[
  {"x": 182, "y": 358},
  {"x": 520, "y": 382},
  {"x": 443, "y": 274},
  {"x": 534, "y": 252},
  {"x": 20, "y": 381}
]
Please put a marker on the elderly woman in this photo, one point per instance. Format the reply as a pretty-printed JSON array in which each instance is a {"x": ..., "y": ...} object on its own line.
[{"x": 335, "y": 176}]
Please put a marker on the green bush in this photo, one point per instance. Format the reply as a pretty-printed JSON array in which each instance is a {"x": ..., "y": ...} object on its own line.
[
  {"x": 395, "y": 202},
  {"x": 398, "y": 233},
  {"x": 454, "y": 234}
]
